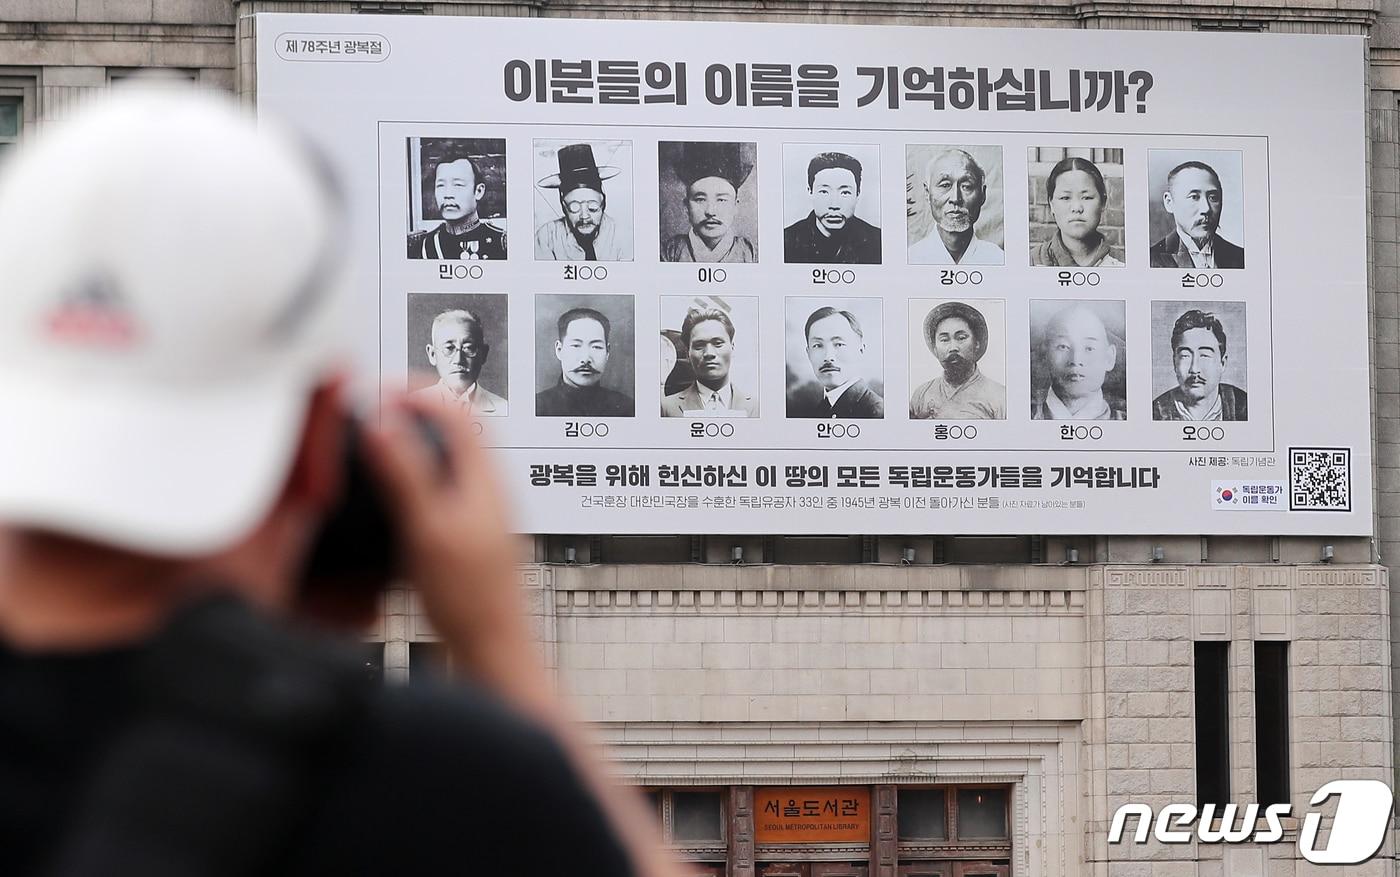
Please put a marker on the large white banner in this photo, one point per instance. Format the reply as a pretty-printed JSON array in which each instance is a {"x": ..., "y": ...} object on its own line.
[{"x": 712, "y": 277}]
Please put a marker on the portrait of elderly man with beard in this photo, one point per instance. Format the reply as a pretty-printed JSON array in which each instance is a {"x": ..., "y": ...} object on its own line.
[
  {"x": 459, "y": 186},
  {"x": 585, "y": 231},
  {"x": 956, "y": 188},
  {"x": 831, "y": 233},
  {"x": 956, "y": 333},
  {"x": 1078, "y": 352},
  {"x": 1199, "y": 360},
  {"x": 458, "y": 350},
  {"x": 583, "y": 348},
  {"x": 1195, "y": 199},
  {"x": 711, "y": 175}
]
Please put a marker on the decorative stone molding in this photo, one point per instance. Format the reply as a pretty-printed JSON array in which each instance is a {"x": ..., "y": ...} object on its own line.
[
  {"x": 653, "y": 603},
  {"x": 1346, "y": 577},
  {"x": 1145, "y": 577}
]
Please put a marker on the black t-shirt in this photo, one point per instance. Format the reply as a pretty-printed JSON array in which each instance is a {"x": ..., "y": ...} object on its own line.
[{"x": 431, "y": 780}]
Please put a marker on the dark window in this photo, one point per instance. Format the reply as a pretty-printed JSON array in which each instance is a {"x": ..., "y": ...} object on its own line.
[
  {"x": 654, "y": 803},
  {"x": 923, "y": 814},
  {"x": 645, "y": 549},
  {"x": 1212, "y": 723},
  {"x": 1271, "y": 721},
  {"x": 696, "y": 816},
  {"x": 987, "y": 549},
  {"x": 426, "y": 660},
  {"x": 981, "y": 813},
  {"x": 11, "y": 116},
  {"x": 817, "y": 549}
]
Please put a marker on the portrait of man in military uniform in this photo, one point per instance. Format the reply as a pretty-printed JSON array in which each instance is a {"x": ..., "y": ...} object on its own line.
[
  {"x": 457, "y": 198},
  {"x": 586, "y": 223},
  {"x": 707, "y": 215}
]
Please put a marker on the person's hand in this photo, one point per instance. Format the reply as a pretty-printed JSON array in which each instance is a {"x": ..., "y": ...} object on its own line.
[{"x": 456, "y": 546}]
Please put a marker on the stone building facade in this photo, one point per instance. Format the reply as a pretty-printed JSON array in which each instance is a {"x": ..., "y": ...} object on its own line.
[{"x": 983, "y": 709}]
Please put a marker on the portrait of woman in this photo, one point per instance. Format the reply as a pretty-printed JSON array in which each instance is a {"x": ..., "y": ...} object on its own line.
[{"x": 1079, "y": 204}]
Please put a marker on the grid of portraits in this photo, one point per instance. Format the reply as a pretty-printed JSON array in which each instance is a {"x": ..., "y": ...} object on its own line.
[
  {"x": 709, "y": 348},
  {"x": 999, "y": 353},
  {"x": 707, "y": 193}
]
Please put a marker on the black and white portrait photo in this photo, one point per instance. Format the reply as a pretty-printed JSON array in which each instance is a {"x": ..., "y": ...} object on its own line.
[
  {"x": 456, "y": 198},
  {"x": 1200, "y": 360},
  {"x": 708, "y": 200},
  {"x": 1195, "y": 208},
  {"x": 835, "y": 352},
  {"x": 583, "y": 201},
  {"x": 711, "y": 368},
  {"x": 458, "y": 350},
  {"x": 957, "y": 359},
  {"x": 954, "y": 204},
  {"x": 1076, "y": 206},
  {"x": 1078, "y": 360},
  {"x": 831, "y": 204},
  {"x": 585, "y": 361}
]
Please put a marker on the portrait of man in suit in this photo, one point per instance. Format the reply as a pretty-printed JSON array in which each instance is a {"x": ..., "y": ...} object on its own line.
[
  {"x": 707, "y": 335},
  {"x": 1195, "y": 199},
  {"x": 458, "y": 351},
  {"x": 835, "y": 346}
]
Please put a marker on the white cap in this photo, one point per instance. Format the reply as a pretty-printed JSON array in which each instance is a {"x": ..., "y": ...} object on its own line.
[{"x": 166, "y": 306}]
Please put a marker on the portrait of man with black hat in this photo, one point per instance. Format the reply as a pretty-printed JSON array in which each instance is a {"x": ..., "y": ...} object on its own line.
[
  {"x": 711, "y": 175},
  {"x": 585, "y": 230},
  {"x": 831, "y": 232},
  {"x": 956, "y": 334}
]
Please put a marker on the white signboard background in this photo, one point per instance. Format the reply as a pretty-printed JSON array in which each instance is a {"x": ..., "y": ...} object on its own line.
[{"x": 1290, "y": 106}]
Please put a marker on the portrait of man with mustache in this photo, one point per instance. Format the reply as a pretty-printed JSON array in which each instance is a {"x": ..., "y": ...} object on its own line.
[
  {"x": 585, "y": 230},
  {"x": 956, "y": 333},
  {"x": 1199, "y": 356},
  {"x": 583, "y": 346},
  {"x": 831, "y": 232},
  {"x": 1194, "y": 198},
  {"x": 463, "y": 183},
  {"x": 835, "y": 346}
]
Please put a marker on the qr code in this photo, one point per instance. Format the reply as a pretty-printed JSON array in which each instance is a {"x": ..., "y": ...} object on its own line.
[{"x": 1319, "y": 479}]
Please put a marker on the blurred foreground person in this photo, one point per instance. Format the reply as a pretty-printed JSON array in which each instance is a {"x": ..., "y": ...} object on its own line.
[{"x": 174, "y": 437}]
